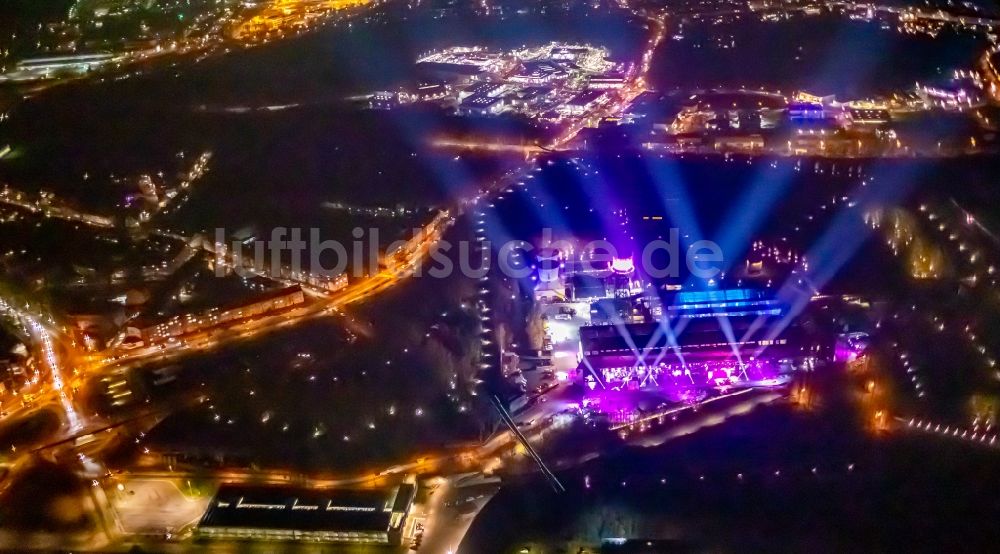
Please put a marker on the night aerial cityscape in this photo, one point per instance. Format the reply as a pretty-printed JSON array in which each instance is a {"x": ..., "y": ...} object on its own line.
[{"x": 499, "y": 276}]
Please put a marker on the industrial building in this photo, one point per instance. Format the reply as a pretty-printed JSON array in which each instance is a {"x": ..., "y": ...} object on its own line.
[
  {"x": 481, "y": 104},
  {"x": 585, "y": 101},
  {"x": 538, "y": 72},
  {"x": 704, "y": 339},
  {"x": 46, "y": 67},
  {"x": 369, "y": 516}
]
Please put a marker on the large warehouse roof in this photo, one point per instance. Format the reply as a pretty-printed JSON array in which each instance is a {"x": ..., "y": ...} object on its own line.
[{"x": 268, "y": 507}]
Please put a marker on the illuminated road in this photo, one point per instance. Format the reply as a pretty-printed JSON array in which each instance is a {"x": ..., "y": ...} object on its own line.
[
  {"x": 57, "y": 392},
  {"x": 487, "y": 456},
  {"x": 364, "y": 288},
  {"x": 55, "y": 372},
  {"x": 281, "y": 18},
  {"x": 911, "y": 13},
  {"x": 41, "y": 337},
  {"x": 398, "y": 270},
  {"x": 450, "y": 512},
  {"x": 254, "y": 25},
  {"x": 14, "y": 199}
]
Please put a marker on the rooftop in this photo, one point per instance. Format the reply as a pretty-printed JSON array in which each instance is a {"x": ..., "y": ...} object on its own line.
[
  {"x": 264, "y": 507},
  {"x": 586, "y": 97},
  {"x": 539, "y": 69},
  {"x": 480, "y": 100}
]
